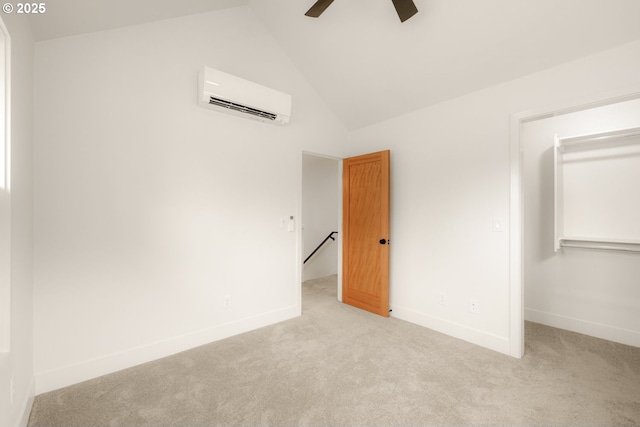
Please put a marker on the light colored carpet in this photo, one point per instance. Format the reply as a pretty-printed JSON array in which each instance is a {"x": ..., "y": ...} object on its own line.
[{"x": 337, "y": 365}]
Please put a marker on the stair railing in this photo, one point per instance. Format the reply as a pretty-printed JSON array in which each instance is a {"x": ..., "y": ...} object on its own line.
[{"x": 330, "y": 236}]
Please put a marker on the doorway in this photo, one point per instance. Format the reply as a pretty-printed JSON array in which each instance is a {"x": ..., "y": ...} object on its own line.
[
  {"x": 519, "y": 261},
  {"x": 321, "y": 216},
  {"x": 577, "y": 276}
]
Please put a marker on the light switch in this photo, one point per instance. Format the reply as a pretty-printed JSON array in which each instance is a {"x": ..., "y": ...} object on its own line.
[{"x": 291, "y": 225}]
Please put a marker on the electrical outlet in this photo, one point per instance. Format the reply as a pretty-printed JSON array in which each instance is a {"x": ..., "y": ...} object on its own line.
[
  {"x": 227, "y": 301},
  {"x": 442, "y": 298},
  {"x": 12, "y": 390},
  {"x": 474, "y": 307}
]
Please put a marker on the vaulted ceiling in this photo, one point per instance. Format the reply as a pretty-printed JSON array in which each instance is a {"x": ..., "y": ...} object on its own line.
[{"x": 369, "y": 67}]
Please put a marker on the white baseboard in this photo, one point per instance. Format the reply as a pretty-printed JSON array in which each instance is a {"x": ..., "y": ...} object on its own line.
[
  {"x": 89, "y": 369},
  {"x": 465, "y": 333},
  {"x": 598, "y": 330},
  {"x": 27, "y": 404}
]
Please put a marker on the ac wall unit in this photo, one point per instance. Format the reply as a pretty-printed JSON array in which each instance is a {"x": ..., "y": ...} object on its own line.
[{"x": 234, "y": 95}]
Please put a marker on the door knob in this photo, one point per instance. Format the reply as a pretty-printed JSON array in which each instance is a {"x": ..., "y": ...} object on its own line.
[{"x": 383, "y": 241}]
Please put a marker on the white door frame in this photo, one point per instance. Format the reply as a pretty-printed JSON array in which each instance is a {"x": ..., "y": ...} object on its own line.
[
  {"x": 516, "y": 212},
  {"x": 5, "y": 188}
]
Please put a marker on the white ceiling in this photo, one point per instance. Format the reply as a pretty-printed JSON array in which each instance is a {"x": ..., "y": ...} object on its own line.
[
  {"x": 70, "y": 17},
  {"x": 369, "y": 67}
]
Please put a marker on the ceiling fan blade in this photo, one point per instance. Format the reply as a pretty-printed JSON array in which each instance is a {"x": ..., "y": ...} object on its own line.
[
  {"x": 405, "y": 8},
  {"x": 319, "y": 7}
]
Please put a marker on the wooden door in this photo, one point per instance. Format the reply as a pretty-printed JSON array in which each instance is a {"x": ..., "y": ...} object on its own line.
[{"x": 365, "y": 224}]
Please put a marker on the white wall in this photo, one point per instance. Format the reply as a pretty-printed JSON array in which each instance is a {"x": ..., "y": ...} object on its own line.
[
  {"x": 588, "y": 291},
  {"x": 150, "y": 209},
  {"x": 321, "y": 194},
  {"x": 450, "y": 176},
  {"x": 18, "y": 363}
]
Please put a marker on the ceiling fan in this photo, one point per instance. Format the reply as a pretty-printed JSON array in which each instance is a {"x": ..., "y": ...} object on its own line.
[{"x": 405, "y": 8}]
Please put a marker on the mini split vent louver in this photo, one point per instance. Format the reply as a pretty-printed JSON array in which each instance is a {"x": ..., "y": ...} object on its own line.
[
  {"x": 230, "y": 94},
  {"x": 241, "y": 108}
]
